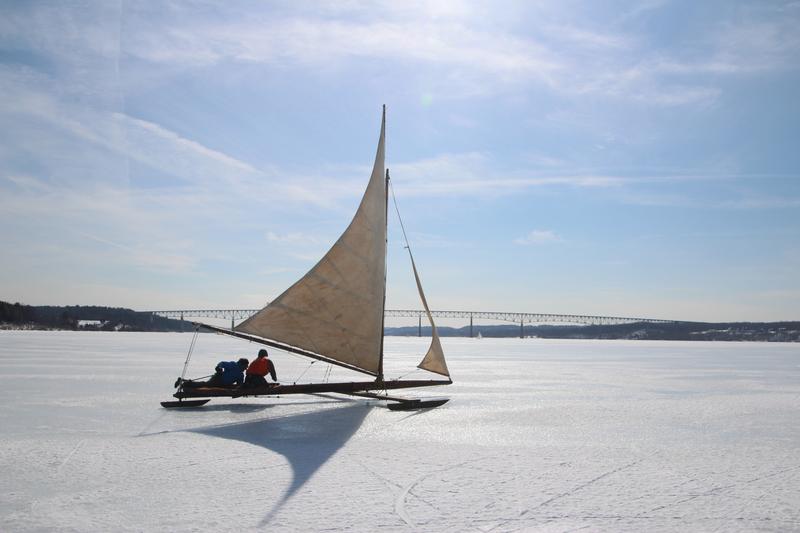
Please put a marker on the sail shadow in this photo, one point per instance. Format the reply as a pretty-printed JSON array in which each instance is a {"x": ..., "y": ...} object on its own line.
[{"x": 306, "y": 440}]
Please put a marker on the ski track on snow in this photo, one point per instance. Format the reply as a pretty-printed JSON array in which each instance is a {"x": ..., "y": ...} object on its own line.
[
  {"x": 69, "y": 455},
  {"x": 723, "y": 488},
  {"x": 522, "y": 515},
  {"x": 400, "y": 501}
]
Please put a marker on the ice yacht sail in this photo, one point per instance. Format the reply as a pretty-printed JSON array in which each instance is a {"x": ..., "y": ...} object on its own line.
[{"x": 334, "y": 313}]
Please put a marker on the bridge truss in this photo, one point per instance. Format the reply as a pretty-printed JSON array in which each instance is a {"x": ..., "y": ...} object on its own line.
[{"x": 517, "y": 318}]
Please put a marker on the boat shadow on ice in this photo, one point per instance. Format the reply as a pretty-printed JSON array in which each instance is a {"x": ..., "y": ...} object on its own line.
[
  {"x": 307, "y": 440},
  {"x": 230, "y": 408}
]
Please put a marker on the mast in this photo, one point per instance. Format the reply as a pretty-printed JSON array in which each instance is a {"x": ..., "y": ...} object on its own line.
[{"x": 385, "y": 253}]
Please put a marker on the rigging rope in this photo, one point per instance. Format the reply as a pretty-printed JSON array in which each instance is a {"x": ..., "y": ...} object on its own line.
[
  {"x": 402, "y": 227},
  {"x": 304, "y": 372},
  {"x": 189, "y": 355},
  {"x": 408, "y": 373},
  {"x": 408, "y": 247}
]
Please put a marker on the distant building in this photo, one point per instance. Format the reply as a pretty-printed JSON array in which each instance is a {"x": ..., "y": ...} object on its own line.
[{"x": 93, "y": 324}]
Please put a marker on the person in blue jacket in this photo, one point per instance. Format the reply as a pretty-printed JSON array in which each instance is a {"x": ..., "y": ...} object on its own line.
[{"x": 226, "y": 374}]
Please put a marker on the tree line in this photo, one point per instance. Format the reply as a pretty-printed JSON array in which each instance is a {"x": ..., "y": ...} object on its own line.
[{"x": 69, "y": 317}]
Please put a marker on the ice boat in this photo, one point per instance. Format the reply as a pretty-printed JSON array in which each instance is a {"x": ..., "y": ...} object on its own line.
[{"x": 335, "y": 313}]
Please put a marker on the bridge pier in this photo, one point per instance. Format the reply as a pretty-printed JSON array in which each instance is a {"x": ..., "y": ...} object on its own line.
[
  {"x": 470, "y": 325},
  {"x": 231, "y": 322},
  {"x": 419, "y": 326},
  {"x": 521, "y": 329}
]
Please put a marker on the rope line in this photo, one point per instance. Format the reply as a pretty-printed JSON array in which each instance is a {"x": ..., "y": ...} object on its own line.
[
  {"x": 189, "y": 355},
  {"x": 304, "y": 372},
  {"x": 408, "y": 247},
  {"x": 402, "y": 226},
  {"x": 408, "y": 373}
]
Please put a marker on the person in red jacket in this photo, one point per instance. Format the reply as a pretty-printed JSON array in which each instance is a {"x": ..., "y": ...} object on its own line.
[{"x": 258, "y": 370}]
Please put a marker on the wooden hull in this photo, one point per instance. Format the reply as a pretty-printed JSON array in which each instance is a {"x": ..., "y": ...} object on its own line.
[{"x": 307, "y": 388}]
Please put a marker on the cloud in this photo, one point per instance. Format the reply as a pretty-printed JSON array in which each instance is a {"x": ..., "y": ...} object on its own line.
[
  {"x": 92, "y": 135},
  {"x": 466, "y": 53},
  {"x": 643, "y": 7},
  {"x": 292, "y": 238},
  {"x": 419, "y": 240},
  {"x": 645, "y": 83},
  {"x": 474, "y": 173},
  {"x": 761, "y": 38},
  {"x": 152, "y": 256},
  {"x": 456, "y": 47},
  {"x": 757, "y": 43},
  {"x": 537, "y": 236},
  {"x": 150, "y": 135},
  {"x": 585, "y": 38},
  {"x": 452, "y": 49},
  {"x": 84, "y": 153},
  {"x": 743, "y": 200}
]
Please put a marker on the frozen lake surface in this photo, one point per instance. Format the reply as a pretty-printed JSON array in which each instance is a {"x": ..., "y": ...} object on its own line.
[{"x": 539, "y": 435}]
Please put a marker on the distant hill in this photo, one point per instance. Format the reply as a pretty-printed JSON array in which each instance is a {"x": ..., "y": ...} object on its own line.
[
  {"x": 78, "y": 317},
  {"x": 686, "y": 331}
]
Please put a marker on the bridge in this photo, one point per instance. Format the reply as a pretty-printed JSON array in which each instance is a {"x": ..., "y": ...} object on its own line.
[{"x": 517, "y": 318}]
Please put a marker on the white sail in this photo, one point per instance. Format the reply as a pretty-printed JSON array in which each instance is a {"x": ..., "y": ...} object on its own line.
[
  {"x": 434, "y": 359},
  {"x": 336, "y": 309}
]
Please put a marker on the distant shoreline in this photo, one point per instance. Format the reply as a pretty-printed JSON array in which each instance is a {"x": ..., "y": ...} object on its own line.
[
  {"x": 740, "y": 332},
  {"x": 97, "y": 318},
  {"x": 682, "y": 331}
]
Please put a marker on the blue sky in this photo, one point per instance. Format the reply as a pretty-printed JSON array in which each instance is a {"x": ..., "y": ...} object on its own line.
[{"x": 614, "y": 158}]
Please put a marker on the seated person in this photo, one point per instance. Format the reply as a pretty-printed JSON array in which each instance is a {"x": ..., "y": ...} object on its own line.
[
  {"x": 258, "y": 369},
  {"x": 227, "y": 374}
]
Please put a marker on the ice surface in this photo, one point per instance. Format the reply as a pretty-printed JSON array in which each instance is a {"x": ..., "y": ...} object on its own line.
[{"x": 540, "y": 435}]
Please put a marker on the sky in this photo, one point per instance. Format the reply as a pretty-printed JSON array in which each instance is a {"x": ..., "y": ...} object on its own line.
[{"x": 614, "y": 158}]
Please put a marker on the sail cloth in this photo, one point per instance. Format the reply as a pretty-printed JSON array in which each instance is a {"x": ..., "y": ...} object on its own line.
[
  {"x": 336, "y": 309},
  {"x": 434, "y": 359}
]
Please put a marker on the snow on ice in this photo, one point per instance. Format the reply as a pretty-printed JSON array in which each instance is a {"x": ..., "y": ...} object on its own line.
[{"x": 539, "y": 435}]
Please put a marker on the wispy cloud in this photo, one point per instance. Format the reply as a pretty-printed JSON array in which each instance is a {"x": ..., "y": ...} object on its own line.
[
  {"x": 292, "y": 238},
  {"x": 757, "y": 44},
  {"x": 474, "y": 174},
  {"x": 321, "y": 41},
  {"x": 150, "y": 135},
  {"x": 642, "y": 7},
  {"x": 454, "y": 46},
  {"x": 153, "y": 256},
  {"x": 429, "y": 240},
  {"x": 51, "y": 118},
  {"x": 477, "y": 174},
  {"x": 84, "y": 154},
  {"x": 538, "y": 236},
  {"x": 561, "y": 52},
  {"x": 743, "y": 200}
]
